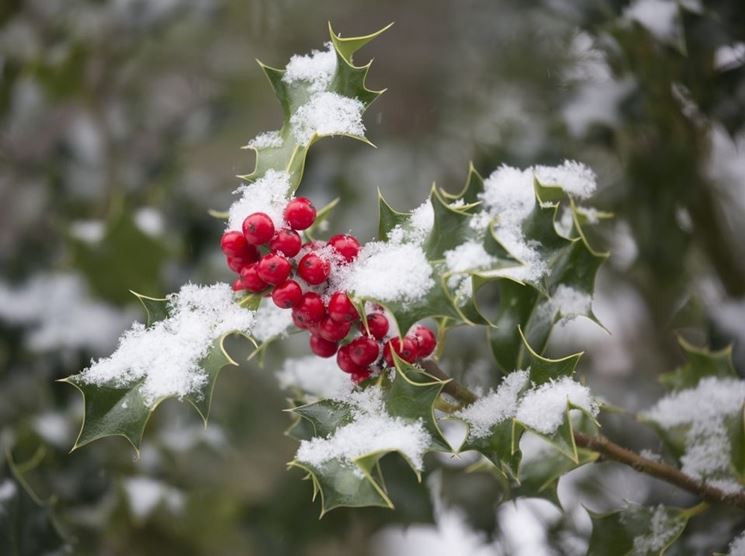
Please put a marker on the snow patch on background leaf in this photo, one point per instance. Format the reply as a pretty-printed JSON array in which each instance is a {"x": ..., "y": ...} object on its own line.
[
  {"x": 703, "y": 410},
  {"x": 61, "y": 314}
]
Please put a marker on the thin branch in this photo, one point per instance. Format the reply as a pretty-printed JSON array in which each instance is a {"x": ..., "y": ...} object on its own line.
[
  {"x": 610, "y": 450},
  {"x": 452, "y": 387},
  {"x": 668, "y": 473}
]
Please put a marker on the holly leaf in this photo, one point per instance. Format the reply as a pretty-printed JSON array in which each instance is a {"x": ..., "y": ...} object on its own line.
[
  {"x": 410, "y": 397},
  {"x": 286, "y": 153},
  {"x": 27, "y": 523},
  {"x": 121, "y": 410},
  {"x": 637, "y": 530},
  {"x": 700, "y": 363},
  {"x": 112, "y": 275}
]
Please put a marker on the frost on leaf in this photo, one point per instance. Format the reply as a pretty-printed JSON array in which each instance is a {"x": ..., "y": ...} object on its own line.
[
  {"x": 343, "y": 438},
  {"x": 703, "y": 423},
  {"x": 179, "y": 353},
  {"x": 544, "y": 399},
  {"x": 636, "y": 531}
]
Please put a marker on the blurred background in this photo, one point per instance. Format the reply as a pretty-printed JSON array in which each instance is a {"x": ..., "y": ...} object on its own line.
[{"x": 120, "y": 127}]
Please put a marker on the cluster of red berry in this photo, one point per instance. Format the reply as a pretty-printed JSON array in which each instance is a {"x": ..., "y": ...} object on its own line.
[{"x": 265, "y": 258}]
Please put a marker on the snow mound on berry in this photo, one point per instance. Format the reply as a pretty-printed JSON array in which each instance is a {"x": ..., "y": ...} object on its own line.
[
  {"x": 315, "y": 376},
  {"x": 165, "y": 357},
  {"x": 388, "y": 272},
  {"x": 372, "y": 430},
  {"x": 268, "y": 194}
]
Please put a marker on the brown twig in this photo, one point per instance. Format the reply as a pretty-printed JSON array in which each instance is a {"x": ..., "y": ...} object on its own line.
[{"x": 612, "y": 451}]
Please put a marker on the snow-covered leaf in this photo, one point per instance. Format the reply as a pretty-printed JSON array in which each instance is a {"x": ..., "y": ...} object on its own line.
[{"x": 636, "y": 530}]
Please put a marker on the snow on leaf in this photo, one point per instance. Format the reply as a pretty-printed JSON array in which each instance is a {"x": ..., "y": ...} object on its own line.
[
  {"x": 179, "y": 355},
  {"x": 636, "y": 531}
]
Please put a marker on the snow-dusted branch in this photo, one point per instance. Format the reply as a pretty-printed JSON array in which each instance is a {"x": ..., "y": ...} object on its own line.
[{"x": 609, "y": 450}]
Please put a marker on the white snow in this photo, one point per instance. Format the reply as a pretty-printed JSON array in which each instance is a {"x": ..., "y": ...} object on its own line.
[
  {"x": 388, "y": 272},
  {"x": 569, "y": 302},
  {"x": 737, "y": 546},
  {"x": 468, "y": 256},
  {"x": 271, "y": 322},
  {"x": 729, "y": 56},
  {"x": 166, "y": 356},
  {"x": 316, "y": 68},
  {"x": 450, "y": 535},
  {"x": 372, "y": 430},
  {"x": 88, "y": 231},
  {"x": 149, "y": 221},
  {"x": 663, "y": 529},
  {"x": 144, "y": 495},
  {"x": 327, "y": 114},
  {"x": 8, "y": 490},
  {"x": 509, "y": 197},
  {"x": 704, "y": 409},
  {"x": 543, "y": 407},
  {"x": 573, "y": 177},
  {"x": 268, "y": 194},
  {"x": 658, "y": 16},
  {"x": 266, "y": 140},
  {"x": 53, "y": 428},
  {"x": 61, "y": 314},
  {"x": 495, "y": 407},
  {"x": 315, "y": 376},
  {"x": 417, "y": 227}
]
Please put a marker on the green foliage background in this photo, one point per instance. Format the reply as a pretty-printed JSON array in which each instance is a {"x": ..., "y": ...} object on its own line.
[{"x": 110, "y": 107}]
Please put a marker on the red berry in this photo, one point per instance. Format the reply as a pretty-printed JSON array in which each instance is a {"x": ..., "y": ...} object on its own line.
[
  {"x": 361, "y": 376},
  {"x": 333, "y": 331},
  {"x": 347, "y": 246},
  {"x": 424, "y": 339},
  {"x": 310, "y": 309},
  {"x": 298, "y": 321},
  {"x": 300, "y": 213},
  {"x": 250, "y": 278},
  {"x": 287, "y": 242},
  {"x": 258, "y": 228},
  {"x": 377, "y": 324},
  {"x": 236, "y": 264},
  {"x": 237, "y": 285},
  {"x": 313, "y": 269},
  {"x": 405, "y": 349},
  {"x": 234, "y": 244},
  {"x": 344, "y": 360},
  {"x": 341, "y": 308},
  {"x": 364, "y": 350},
  {"x": 321, "y": 347},
  {"x": 287, "y": 294},
  {"x": 274, "y": 269}
]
